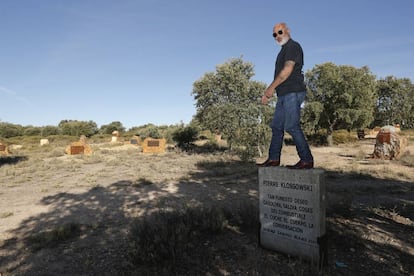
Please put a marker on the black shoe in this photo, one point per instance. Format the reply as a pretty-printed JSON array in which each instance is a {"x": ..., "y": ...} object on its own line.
[
  {"x": 301, "y": 165},
  {"x": 269, "y": 163}
]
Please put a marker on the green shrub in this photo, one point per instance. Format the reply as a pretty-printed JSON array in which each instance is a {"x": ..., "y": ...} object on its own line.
[
  {"x": 185, "y": 136},
  {"x": 210, "y": 146},
  {"x": 206, "y": 135},
  {"x": 61, "y": 140},
  {"x": 318, "y": 138},
  {"x": 343, "y": 137},
  {"x": 100, "y": 138},
  {"x": 247, "y": 153},
  {"x": 25, "y": 140}
]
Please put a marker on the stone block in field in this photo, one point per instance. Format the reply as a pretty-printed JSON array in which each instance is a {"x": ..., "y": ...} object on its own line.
[{"x": 150, "y": 145}]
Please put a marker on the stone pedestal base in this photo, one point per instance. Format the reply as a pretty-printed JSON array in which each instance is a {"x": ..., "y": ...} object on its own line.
[{"x": 292, "y": 211}]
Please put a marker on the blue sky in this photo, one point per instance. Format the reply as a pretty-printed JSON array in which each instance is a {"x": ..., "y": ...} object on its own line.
[{"x": 135, "y": 61}]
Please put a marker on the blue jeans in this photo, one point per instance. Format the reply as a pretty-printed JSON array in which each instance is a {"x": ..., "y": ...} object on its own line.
[{"x": 287, "y": 118}]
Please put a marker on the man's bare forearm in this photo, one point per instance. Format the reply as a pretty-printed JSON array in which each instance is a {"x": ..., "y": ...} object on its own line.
[{"x": 280, "y": 78}]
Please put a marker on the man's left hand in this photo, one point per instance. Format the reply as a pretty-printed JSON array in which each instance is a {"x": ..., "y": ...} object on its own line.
[{"x": 265, "y": 100}]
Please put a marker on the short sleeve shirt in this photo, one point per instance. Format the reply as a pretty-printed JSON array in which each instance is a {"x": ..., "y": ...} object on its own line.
[{"x": 295, "y": 82}]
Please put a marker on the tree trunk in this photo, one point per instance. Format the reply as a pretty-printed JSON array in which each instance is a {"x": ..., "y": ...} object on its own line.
[{"x": 329, "y": 139}]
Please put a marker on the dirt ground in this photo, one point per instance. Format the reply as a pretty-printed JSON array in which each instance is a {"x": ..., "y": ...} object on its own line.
[{"x": 369, "y": 217}]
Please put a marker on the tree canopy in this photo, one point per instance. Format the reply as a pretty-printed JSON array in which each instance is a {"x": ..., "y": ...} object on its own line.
[
  {"x": 8, "y": 130},
  {"x": 78, "y": 128},
  {"x": 395, "y": 102},
  {"x": 340, "y": 97},
  {"x": 227, "y": 102},
  {"x": 109, "y": 128}
]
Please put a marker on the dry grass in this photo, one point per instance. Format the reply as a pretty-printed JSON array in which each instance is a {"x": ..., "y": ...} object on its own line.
[{"x": 81, "y": 209}]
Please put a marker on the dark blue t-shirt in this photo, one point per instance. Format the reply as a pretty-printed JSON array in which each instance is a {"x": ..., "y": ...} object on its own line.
[{"x": 295, "y": 83}]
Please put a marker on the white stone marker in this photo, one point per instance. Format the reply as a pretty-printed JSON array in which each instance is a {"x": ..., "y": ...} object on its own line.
[
  {"x": 44, "y": 141},
  {"x": 292, "y": 211}
]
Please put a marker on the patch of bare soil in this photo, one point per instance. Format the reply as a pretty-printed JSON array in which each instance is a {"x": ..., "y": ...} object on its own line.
[{"x": 71, "y": 215}]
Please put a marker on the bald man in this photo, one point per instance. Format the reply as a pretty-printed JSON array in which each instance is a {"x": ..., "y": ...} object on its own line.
[{"x": 290, "y": 88}]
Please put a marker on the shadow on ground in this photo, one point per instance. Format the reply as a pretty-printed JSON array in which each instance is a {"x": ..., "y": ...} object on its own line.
[
  {"x": 10, "y": 160},
  {"x": 363, "y": 237}
]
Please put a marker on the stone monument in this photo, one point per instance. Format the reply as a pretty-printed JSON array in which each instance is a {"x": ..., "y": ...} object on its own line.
[
  {"x": 389, "y": 144},
  {"x": 80, "y": 147},
  {"x": 151, "y": 145},
  {"x": 44, "y": 141},
  {"x": 292, "y": 212},
  {"x": 135, "y": 140},
  {"x": 115, "y": 136}
]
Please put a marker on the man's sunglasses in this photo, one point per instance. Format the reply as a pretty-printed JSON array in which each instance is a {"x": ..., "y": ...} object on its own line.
[{"x": 280, "y": 32}]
